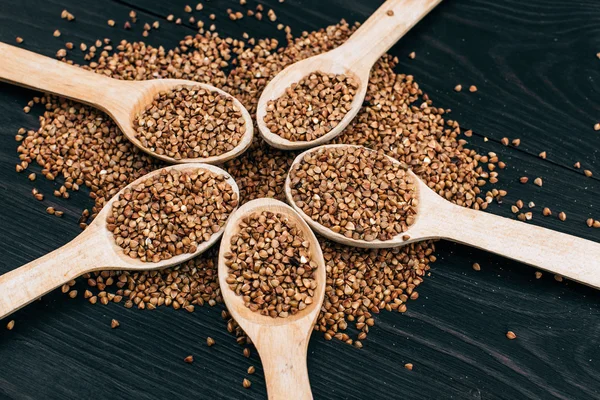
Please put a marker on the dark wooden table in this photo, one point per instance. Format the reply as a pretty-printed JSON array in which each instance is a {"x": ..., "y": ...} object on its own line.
[{"x": 538, "y": 76}]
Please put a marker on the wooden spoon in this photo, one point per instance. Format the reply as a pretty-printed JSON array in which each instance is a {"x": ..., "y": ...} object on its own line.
[
  {"x": 281, "y": 342},
  {"x": 354, "y": 58},
  {"x": 437, "y": 218},
  {"x": 122, "y": 100},
  {"x": 93, "y": 250}
]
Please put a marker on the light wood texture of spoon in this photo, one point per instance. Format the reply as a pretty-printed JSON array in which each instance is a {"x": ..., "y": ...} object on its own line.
[
  {"x": 281, "y": 342},
  {"x": 92, "y": 250},
  {"x": 121, "y": 100},
  {"x": 572, "y": 257},
  {"x": 353, "y": 58}
]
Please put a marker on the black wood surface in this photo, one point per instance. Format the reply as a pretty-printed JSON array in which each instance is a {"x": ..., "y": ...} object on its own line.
[{"x": 539, "y": 80}]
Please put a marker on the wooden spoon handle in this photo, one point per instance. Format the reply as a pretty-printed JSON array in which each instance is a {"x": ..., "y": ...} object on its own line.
[
  {"x": 572, "y": 257},
  {"x": 385, "y": 27},
  {"x": 285, "y": 369},
  {"x": 25, "y": 68},
  {"x": 23, "y": 285}
]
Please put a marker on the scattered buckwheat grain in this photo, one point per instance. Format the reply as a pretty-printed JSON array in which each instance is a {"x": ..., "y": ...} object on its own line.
[
  {"x": 67, "y": 15},
  {"x": 562, "y": 216}
]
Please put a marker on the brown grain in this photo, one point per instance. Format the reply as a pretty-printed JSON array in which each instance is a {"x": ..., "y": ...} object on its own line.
[{"x": 562, "y": 216}]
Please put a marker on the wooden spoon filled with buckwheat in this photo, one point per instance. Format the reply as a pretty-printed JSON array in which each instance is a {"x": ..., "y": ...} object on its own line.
[
  {"x": 311, "y": 101},
  {"x": 161, "y": 219},
  {"x": 361, "y": 197},
  {"x": 272, "y": 278},
  {"x": 175, "y": 120}
]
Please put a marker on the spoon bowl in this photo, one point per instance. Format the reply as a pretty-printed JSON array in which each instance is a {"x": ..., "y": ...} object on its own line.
[
  {"x": 122, "y": 100},
  {"x": 92, "y": 250},
  {"x": 281, "y": 342},
  {"x": 329, "y": 62},
  {"x": 438, "y": 218},
  {"x": 418, "y": 231},
  {"x": 354, "y": 58},
  {"x": 141, "y": 93}
]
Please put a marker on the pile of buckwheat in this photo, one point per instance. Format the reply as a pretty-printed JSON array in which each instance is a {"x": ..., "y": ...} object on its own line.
[
  {"x": 190, "y": 122},
  {"x": 270, "y": 265},
  {"x": 81, "y": 146},
  {"x": 311, "y": 107},
  {"x": 171, "y": 213},
  {"x": 354, "y": 191}
]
